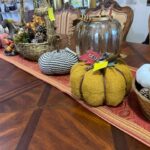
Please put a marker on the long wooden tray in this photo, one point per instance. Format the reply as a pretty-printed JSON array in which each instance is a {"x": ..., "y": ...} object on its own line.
[{"x": 127, "y": 116}]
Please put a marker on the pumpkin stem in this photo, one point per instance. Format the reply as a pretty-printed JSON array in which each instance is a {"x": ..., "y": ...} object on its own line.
[
  {"x": 89, "y": 67},
  {"x": 112, "y": 57}
]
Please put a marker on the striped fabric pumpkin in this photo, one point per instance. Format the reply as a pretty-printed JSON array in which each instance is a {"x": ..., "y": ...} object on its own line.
[{"x": 57, "y": 62}]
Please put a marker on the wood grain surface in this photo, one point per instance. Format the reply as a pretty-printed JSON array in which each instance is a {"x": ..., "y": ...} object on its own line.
[{"x": 37, "y": 116}]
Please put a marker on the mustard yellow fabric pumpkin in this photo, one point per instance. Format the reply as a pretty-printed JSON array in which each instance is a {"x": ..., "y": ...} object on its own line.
[{"x": 107, "y": 86}]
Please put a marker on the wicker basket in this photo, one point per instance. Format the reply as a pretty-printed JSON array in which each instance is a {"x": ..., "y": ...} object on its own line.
[
  {"x": 32, "y": 51},
  {"x": 143, "y": 101}
]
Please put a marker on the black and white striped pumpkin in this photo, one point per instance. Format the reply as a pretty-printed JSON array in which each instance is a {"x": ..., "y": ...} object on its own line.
[{"x": 57, "y": 62}]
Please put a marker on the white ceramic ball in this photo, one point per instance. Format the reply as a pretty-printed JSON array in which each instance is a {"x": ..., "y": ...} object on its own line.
[{"x": 143, "y": 75}]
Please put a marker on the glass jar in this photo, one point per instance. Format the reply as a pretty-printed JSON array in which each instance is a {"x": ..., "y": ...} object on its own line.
[{"x": 98, "y": 33}]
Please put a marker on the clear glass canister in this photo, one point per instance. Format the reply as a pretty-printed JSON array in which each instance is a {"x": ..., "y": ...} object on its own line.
[{"x": 101, "y": 34}]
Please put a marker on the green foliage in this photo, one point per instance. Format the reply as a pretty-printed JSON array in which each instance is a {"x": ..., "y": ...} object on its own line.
[{"x": 22, "y": 38}]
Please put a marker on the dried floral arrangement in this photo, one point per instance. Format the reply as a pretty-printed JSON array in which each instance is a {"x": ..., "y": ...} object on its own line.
[
  {"x": 38, "y": 36},
  {"x": 32, "y": 32}
]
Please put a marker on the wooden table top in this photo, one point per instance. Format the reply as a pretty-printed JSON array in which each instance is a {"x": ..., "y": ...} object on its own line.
[{"x": 37, "y": 116}]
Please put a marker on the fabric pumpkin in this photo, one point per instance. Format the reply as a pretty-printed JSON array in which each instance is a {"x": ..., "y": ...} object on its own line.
[
  {"x": 2, "y": 39},
  {"x": 57, "y": 62},
  {"x": 108, "y": 86}
]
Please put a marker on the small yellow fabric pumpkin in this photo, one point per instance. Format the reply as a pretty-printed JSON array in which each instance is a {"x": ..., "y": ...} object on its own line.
[{"x": 107, "y": 86}]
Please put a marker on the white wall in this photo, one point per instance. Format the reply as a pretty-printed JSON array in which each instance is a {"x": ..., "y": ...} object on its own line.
[{"x": 139, "y": 27}]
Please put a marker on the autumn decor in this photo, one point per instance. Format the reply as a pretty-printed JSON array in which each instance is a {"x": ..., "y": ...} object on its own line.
[
  {"x": 38, "y": 36},
  {"x": 141, "y": 86},
  {"x": 57, "y": 62},
  {"x": 99, "y": 33},
  {"x": 107, "y": 81}
]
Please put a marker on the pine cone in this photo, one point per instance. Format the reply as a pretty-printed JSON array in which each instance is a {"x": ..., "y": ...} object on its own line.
[
  {"x": 34, "y": 41},
  {"x": 145, "y": 92},
  {"x": 40, "y": 37},
  {"x": 41, "y": 29},
  {"x": 31, "y": 34}
]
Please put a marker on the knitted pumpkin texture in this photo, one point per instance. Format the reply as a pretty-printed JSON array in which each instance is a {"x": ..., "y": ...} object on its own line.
[
  {"x": 57, "y": 62},
  {"x": 107, "y": 86}
]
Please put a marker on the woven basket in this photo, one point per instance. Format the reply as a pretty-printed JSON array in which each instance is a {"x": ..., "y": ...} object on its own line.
[
  {"x": 143, "y": 101},
  {"x": 32, "y": 51}
]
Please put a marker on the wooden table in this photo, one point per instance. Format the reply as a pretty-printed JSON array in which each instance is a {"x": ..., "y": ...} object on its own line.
[{"x": 37, "y": 116}]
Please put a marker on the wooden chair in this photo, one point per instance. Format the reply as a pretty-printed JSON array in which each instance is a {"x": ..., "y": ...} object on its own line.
[
  {"x": 110, "y": 7},
  {"x": 65, "y": 27}
]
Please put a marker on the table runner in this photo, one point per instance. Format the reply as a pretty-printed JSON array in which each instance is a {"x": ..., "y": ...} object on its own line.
[{"x": 127, "y": 116}]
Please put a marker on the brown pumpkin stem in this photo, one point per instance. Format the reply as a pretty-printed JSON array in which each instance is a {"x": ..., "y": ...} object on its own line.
[
  {"x": 89, "y": 67},
  {"x": 112, "y": 57}
]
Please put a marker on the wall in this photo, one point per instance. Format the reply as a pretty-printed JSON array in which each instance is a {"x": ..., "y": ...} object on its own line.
[
  {"x": 14, "y": 15},
  {"x": 139, "y": 28}
]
